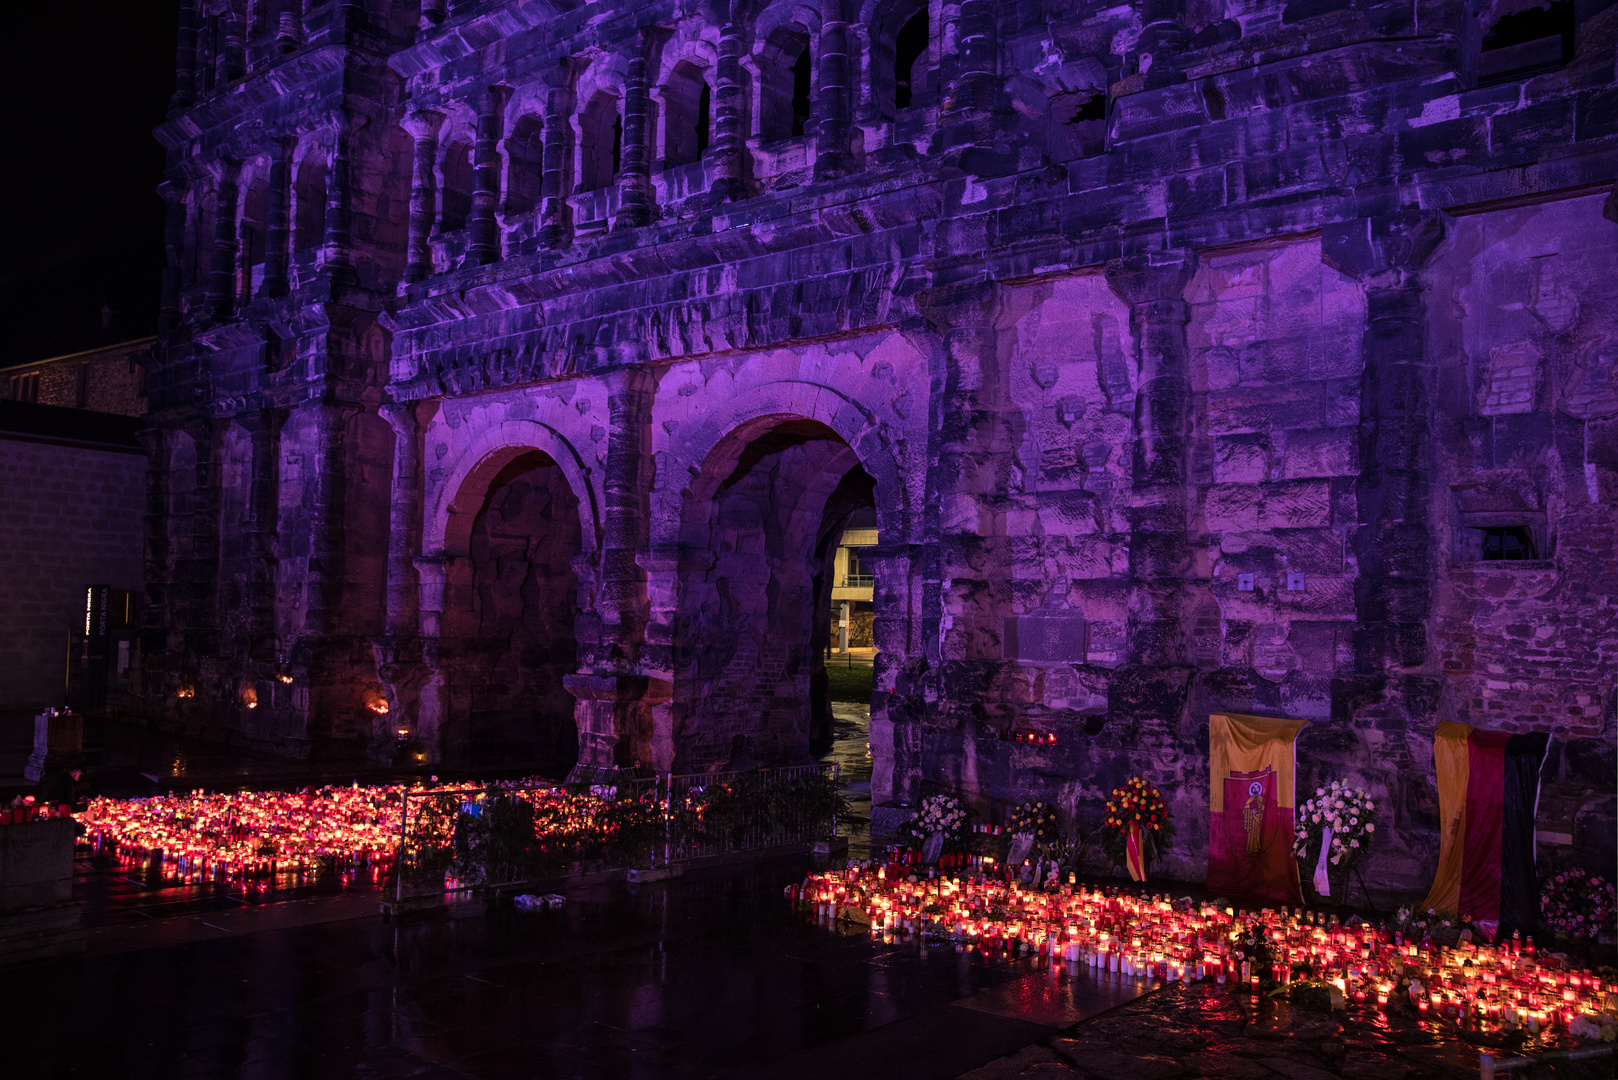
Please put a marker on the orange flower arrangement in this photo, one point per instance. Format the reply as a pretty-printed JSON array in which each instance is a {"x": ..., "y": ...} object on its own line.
[{"x": 1136, "y": 801}]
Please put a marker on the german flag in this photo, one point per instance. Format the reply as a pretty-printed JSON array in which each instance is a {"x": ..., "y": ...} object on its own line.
[{"x": 1488, "y": 797}]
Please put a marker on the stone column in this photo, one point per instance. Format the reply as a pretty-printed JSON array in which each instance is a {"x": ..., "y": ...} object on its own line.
[
  {"x": 556, "y": 213},
  {"x": 324, "y": 497},
  {"x": 969, "y": 109},
  {"x": 197, "y": 563},
  {"x": 222, "y": 265},
  {"x": 833, "y": 157},
  {"x": 263, "y": 505},
  {"x": 483, "y": 230},
  {"x": 337, "y": 240},
  {"x": 614, "y": 715},
  {"x": 423, "y": 125},
  {"x": 1392, "y": 544},
  {"x": 233, "y": 56},
  {"x": 1162, "y": 40},
  {"x": 174, "y": 244},
  {"x": 1159, "y": 545},
  {"x": 635, "y": 201},
  {"x": 278, "y": 223},
  {"x": 289, "y": 26},
  {"x": 185, "y": 60},
  {"x": 729, "y": 151},
  {"x": 966, "y": 567},
  {"x": 404, "y": 520}
]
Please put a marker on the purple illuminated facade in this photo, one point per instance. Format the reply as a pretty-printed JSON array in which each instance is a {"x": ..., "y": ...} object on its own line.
[{"x": 522, "y": 361}]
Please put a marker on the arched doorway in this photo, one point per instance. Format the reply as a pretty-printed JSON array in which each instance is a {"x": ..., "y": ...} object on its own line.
[
  {"x": 765, "y": 515},
  {"x": 513, "y": 638}
]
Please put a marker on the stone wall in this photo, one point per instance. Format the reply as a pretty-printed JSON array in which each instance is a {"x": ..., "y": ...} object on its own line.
[
  {"x": 72, "y": 519},
  {"x": 1188, "y": 354},
  {"x": 111, "y": 379}
]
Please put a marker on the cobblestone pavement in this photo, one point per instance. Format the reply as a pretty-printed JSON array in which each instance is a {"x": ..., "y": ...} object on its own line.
[{"x": 1204, "y": 1030}]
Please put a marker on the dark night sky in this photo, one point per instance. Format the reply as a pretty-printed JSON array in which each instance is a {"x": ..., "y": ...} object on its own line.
[{"x": 83, "y": 226}]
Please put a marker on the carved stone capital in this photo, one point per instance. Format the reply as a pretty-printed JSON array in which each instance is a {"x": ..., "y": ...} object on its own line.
[
  {"x": 1364, "y": 248},
  {"x": 1153, "y": 277}
]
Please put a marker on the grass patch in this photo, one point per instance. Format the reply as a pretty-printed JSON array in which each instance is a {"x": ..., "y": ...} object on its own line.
[{"x": 850, "y": 684}]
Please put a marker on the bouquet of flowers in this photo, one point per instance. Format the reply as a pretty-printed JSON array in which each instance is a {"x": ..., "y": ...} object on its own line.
[
  {"x": 1136, "y": 803},
  {"x": 1577, "y": 904},
  {"x": 1348, "y": 812},
  {"x": 941, "y": 814},
  {"x": 1037, "y": 819}
]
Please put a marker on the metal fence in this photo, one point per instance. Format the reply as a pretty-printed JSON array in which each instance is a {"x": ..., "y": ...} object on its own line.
[{"x": 503, "y": 837}]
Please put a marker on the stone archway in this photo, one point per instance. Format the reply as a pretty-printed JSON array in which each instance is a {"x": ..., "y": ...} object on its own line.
[
  {"x": 759, "y": 523},
  {"x": 506, "y": 544}
]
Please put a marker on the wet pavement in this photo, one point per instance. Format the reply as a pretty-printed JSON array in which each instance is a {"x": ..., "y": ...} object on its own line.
[
  {"x": 714, "y": 976},
  {"x": 851, "y": 750}
]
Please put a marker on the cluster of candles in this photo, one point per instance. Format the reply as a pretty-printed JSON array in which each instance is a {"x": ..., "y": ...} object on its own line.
[
  {"x": 1498, "y": 985},
  {"x": 1042, "y": 738},
  {"x": 249, "y": 834}
]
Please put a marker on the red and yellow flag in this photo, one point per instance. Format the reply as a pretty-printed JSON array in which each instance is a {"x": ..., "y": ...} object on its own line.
[
  {"x": 1251, "y": 762},
  {"x": 1133, "y": 857}
]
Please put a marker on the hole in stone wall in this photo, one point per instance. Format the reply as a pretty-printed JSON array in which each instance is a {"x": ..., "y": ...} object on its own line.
[
  {"x": 525, "y": 152},
  {"x": 1524, "y": 43},
  {"x": 455, "y": 200},
  {"x": 757, "y": 622},
  {"x": 686, "y": 102},
  {"x": 1506, "y": 543},
  {"x": 800, "y": 92},
  {"x": 600, "y": 141},
  {"x": 255, "y": 213},
  {"x": 522, "y": 639},
  {"x": 910, "y": 61},
  {"x": 309, "y": 202},
  {"x": 785, "y": 80}
]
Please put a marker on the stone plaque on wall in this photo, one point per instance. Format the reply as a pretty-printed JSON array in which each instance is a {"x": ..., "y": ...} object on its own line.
[{"x": 1058, "y": 638}]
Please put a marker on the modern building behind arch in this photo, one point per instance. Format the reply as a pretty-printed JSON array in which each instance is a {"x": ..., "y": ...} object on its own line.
[{"x": 521, "y": 364}]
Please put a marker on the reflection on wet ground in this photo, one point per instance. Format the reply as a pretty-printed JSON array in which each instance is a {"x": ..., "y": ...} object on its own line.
[
  {"x": 713, "y": 975},
  {"x": 851, "y": 750},
  {"x": 706, "y": 976}
]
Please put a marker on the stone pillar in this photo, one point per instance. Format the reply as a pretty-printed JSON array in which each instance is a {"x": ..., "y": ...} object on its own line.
[
  {"x": 729, "y": 151},
  {"x": 324, "y": 491},
  {"x": 1392, "y": 545},
  {"x": 222, "y": 265},
  {"x": 263, "y": 506},
  {"x": 197, "y": 563},
  {"x": 1162, "y": 40},
  {"x": 185, "y": 60},
  {"x": 556, "y": 213},
  {"x": 337, "y": 240},
  {"x": 1159, "y": 545},
  {"x": 614, "y": 713},
  {"x": 635, "y": 200},
  {"x": 969, "y": 109},
  {"x": 833, "y": 157},
  {"x": 233, "y": 56},
  {"x": 289, "y": 26},
  {"x": 966, "y": 566},
  {"x": 483, "y": 230},
  {"x": 174, "y": 245},
  {"x": 423, "y": 125},
  {"x": 404, "y": 520},
  {"x": 278, "y": 221}
]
